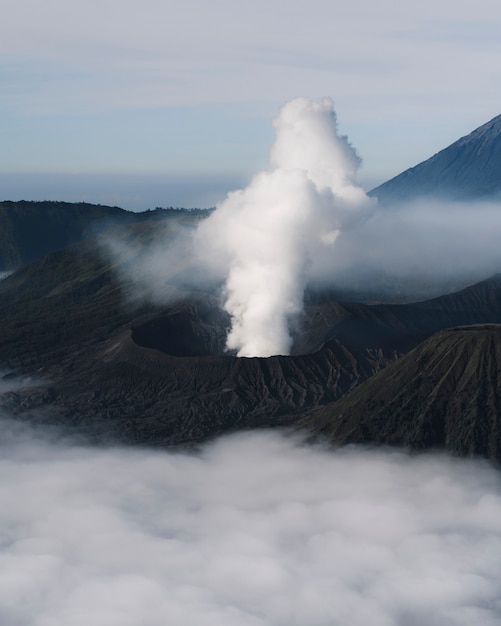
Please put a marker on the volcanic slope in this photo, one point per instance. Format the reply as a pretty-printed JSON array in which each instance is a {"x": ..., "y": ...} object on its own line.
[
  {"x": 446, "y": 393},
  {"x": 394, "y": 329},
  {"x": 158, "y": 374},
  {"x": 30, "y": 230},
  {"x": 144, "y": 373},
  {"x": 468, "y": 169}
]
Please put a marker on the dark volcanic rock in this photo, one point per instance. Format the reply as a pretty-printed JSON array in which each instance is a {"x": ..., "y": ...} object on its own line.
[
  {"x": 115, "y": 367},
  {"x": 468, "y": 169},
  {"x": 446, "y": 393},
  {"x": 189, "y": 329},
  {"x": 138, "y": 394},
  {"x": 397, "y": 328},
  {"x": 148, "y": 373}
]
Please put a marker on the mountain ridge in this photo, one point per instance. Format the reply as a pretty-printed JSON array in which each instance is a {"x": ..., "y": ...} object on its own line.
[
  {"x": 29, "y": 230},
  {"x": 446, "y": 393},
  {"x": 468, "y": 169}
]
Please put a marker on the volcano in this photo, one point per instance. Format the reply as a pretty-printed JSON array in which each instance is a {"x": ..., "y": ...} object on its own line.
[
  {"x": 446, "y": 393},
  {"x": 468, "y": 169},
  {"x": 152, "y": 368},
  {"x": 160, "y": 375}
]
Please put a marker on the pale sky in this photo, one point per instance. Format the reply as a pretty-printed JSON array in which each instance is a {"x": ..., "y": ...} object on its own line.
[{"x": 176, "y": 91}]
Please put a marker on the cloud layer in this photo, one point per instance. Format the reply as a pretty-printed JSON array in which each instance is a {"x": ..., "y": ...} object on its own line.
[
  {"x": 430, "y": 239},
  {"x": 256, "y": 530}
]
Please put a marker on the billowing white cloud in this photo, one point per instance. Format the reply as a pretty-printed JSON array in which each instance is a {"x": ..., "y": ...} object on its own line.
[
  {"x": 255, "y": 530},
  {"x": 304, "y": 220},
  {"x": 265, "y": 234}
]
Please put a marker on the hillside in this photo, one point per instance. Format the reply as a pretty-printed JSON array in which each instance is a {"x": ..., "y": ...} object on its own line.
[
  {"x": 115, "y": 367},
  {"x": 446, "y": 393},
  {"x": 30, "y": 230},
  {"x": 468, "y": 169},
  {"x": 143, "y": 373}
]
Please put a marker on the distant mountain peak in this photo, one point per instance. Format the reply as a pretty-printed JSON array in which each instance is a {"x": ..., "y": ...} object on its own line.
[
  {"x": 468, "y": 169},
  {"x": 489, "y": 130}
]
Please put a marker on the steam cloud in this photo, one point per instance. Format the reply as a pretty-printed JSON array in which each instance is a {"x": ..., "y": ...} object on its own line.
[
  {"x": 254, "y": 531},
  {"x": 268, "y": 232},
  {"x": 267, "y": 241}
]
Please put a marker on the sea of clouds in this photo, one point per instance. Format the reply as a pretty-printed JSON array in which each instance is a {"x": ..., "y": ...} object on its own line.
[{"x": 256, "y": 529}]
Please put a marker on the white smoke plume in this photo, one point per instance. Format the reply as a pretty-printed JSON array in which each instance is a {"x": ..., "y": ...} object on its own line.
[
  {"x": 254, "y": 531},
  {"x": 305, "y": 220},
  {"x": 266, "y": 233}
]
